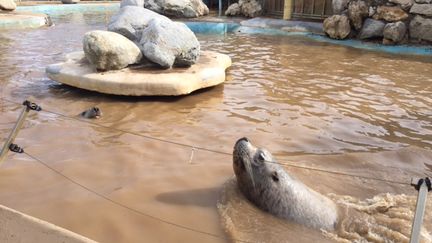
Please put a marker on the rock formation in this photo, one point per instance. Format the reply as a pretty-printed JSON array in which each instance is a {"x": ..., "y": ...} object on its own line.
[
  {"x": 130, "y": 21},
  {"x": 178, "y": 8},
  {"x": 169, "y": 43},
  {"x": 7, "y": 5},
  {"x": 138, "y": 34},
  {"x": 392, "y": 21},
  {"x": 110, "y": 51},
  {"x": 337, "y": 27},
  {"x": 248, "y": 8}
]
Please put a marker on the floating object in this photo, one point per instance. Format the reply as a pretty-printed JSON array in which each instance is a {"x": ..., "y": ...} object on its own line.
[
  {"x": 92, "y": 113},
  {"x": 142, "y": 81}
]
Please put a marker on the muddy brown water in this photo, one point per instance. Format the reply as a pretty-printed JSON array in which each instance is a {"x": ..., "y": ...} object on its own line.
[{"x": 314, "y": 104}]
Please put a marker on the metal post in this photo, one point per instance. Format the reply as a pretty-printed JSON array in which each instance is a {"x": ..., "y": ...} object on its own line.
[
  {"x": 220, "y": 8},
  {"x": 423, "y": 186},
  {"x": 27, "y": 107}
]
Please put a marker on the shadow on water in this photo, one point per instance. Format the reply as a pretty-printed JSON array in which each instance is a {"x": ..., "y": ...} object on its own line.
[
  {"x": 73, "y": 92},
  {"x": 204, "y": 197}
]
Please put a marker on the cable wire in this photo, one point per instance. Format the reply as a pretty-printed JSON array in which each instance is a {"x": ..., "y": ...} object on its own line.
[
  {"x": 125, "y": 206},
  {"x": 284, "y": 163}
]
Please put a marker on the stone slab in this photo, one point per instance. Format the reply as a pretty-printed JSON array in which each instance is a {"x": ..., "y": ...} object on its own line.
[
  {"x": 18, "y": 227},
  {"x": 142, "y": 81}
]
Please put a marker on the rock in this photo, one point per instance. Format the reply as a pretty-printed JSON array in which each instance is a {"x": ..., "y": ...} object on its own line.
[
  {"x": 110, "y": 51},
  {"x": 423, "y": 1},
  {"x": 250, "y": 8},
  {"x": 395, "y": 32},
  {"x": 404, "y": 4},
  {"x": 421, "y": 28},
  {"x": 208, "y": 71},
  {"x": 233, "y": 10},
  {"x": 130, "y": 21},
  {"x": 138, "y": 3},
  {"x": 7, "y": 5},
  {"x": 423, "y": 9},
  {"x": 339, "y": 6},
  {"x": 178, "y": 8},
  {"x": 390, "y": 14},
  {"x": 337, "y": 26},
  {"x": 169, "y": 43},
  {"x": 372, "y": 29},
  {"x": 357, "y": 11},
  {"x": 70, "y": 1}
]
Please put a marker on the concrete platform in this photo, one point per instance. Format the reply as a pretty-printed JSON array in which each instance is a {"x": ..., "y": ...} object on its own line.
[
  {"x": 19, "y": 227},
  {"x": 142, "y": 81},
  {"x": 23, "y": 20}
]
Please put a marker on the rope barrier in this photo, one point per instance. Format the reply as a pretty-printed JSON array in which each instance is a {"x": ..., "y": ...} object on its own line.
[{"x": 282, "y": 162}]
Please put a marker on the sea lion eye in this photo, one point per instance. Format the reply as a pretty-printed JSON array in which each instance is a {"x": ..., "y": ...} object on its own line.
[{"x": 261, "y": 156}]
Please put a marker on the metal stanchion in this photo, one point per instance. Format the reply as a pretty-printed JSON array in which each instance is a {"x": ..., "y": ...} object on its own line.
[
  {"x": 422, "y": 185},
  {"x": 9, "y": 142}
]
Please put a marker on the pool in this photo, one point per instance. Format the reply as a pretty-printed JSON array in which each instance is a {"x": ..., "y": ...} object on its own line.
[{"x": 312, "y": 102}]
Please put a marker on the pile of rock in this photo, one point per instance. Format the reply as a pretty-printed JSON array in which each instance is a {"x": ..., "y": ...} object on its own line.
[
  {"x": 138, "y": 35},
  {"x": 393, "y": 21},
  {"x": 248, "y": 8},
  {"x": 7, "y": 5},
  {"x": 171, "y": 8}
]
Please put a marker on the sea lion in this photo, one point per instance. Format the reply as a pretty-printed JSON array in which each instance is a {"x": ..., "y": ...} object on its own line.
[
  {"x": 92, "y": 113},
  {"x": 267, "y": 185}
]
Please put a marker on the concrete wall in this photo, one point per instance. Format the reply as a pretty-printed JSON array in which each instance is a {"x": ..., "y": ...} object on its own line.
[{"x": 19, "y": 227}]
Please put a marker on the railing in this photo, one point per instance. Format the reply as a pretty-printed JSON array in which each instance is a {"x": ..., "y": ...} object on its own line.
[{"x": 312, "y": 9}]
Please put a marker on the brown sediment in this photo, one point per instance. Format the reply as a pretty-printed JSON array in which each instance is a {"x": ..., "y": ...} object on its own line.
[{"x": 315, "y": 104}]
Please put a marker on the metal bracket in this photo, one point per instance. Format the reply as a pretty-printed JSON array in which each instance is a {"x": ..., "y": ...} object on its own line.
[
  {"x": 422, "y": 185},
  {"x": 9, "y": 142},
  {"x": 15, "y": 148},
  {"x": 32, "y": 106}
]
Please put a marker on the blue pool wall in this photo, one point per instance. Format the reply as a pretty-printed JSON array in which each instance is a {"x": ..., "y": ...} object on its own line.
[{"x": 216, "y": 28}]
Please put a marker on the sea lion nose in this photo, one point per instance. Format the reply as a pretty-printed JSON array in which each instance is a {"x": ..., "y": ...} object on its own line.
[{"x": 245, "y": 139}]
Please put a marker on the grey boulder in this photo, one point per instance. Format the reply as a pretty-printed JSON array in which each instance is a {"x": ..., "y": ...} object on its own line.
[
  {"x": 169, "y": 43},
  {"x": 7, "y": 5},
  {"x": 372, "y": 29},
  {"x": 178, "y": 8},
  {"x": 395, "y": 32},
  {"x": 110, "y": 51},
  {"x": 423, "y": 9},
  {"x": 423, "y": 1},
  {"x": 339, "y": 6},
  {"x": 138, "y": 3},
  {"x": 130, "y": 21},
  {"x": 337, "y": 26},
  {"x": 405, "y": 4},
  {"x": 248, "y": 8},
  {"x": 421, "y": 28}
]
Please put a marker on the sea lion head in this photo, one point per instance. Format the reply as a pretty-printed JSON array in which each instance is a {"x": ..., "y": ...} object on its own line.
[
  {"x": 265, "y": 183},
  {"x": 254, "y": 167},
  {"x": 92, "y": 113}
]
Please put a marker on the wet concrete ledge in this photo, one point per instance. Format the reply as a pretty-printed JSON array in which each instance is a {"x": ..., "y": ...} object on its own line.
[
  {"x": 23, "y": 20},
  {"x": 309, "y": 30},
  {"x": 18, "y": 227},
  {"x": 56, "y": 8}
]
